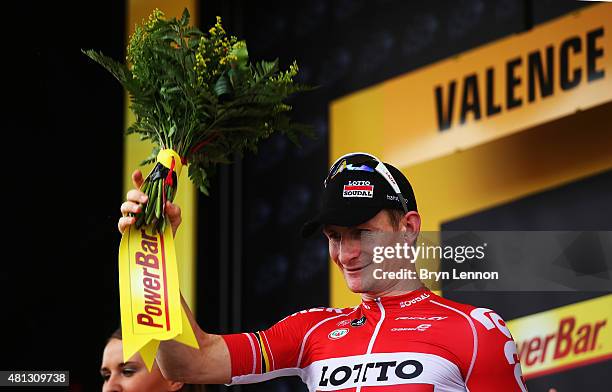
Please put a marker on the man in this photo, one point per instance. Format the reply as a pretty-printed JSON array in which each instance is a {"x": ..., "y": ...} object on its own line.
[{"x": 402, "y": 337}]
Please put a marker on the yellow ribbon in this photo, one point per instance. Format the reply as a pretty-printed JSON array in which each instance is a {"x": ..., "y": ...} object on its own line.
[
  {"x": 149, "y": 287},
  {"x": 165, "y": 158}
]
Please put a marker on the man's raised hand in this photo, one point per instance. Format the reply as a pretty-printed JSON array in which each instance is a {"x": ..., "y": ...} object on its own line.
[{"x": 135, "y": 199}]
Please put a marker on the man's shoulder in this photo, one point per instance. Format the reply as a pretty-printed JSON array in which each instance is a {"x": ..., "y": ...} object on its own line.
[
  {"x": 318, "y": 314},
  {"x": 481, "y": 318},
  {"x": 451, "y": 305}
]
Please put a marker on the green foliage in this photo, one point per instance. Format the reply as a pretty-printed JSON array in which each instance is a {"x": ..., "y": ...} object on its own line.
[{"x": 199, "y": 95}]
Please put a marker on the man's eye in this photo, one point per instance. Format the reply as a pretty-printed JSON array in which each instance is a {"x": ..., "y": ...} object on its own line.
[
  {"x": 128, "y": 372},
  {"x": 105, "y": 376},
  {"x": 367, "y": 233},
  {"x": 333, "y": 236}
]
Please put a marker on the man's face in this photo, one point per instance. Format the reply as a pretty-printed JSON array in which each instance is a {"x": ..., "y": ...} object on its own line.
[{"x": 351, "y": 250}]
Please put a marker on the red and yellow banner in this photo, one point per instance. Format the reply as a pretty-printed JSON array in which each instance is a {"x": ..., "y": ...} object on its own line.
[{"x": 565, "y": 337}]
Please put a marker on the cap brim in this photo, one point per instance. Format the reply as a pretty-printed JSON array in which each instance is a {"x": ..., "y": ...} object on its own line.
[{"x": 341, "y": 217}]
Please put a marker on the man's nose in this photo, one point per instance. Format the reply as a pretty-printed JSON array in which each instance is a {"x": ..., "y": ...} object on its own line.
[{"x": 350, "y": 249}]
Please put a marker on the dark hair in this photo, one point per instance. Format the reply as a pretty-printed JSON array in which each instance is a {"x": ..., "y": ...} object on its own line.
[
  {"x": 185, "y": 388},
  {"x": 395, "y": 217},
  {"x": 115, "y": 335}
]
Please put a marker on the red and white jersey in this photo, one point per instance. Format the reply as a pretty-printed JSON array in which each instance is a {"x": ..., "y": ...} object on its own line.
[{"x": 415, "y": 342}]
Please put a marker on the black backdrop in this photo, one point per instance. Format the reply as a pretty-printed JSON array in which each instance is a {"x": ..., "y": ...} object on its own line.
[
  {"x": 61, "y": 187},
  {"x": 62, "y": 175}
]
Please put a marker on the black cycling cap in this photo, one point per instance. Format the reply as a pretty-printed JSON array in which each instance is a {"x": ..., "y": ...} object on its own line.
[{"x": 357, "y": 188}]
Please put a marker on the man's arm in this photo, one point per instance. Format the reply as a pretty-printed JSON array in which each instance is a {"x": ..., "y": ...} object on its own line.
[
  {"x": 235, "y": 358},
  {"x": 496, "y": 365},
  {"x": 210, "y": 364}
]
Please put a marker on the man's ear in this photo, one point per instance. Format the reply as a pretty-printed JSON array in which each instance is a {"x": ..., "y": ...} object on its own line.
[
  {"x": 411, "y": 225},
  {"x": 175, "y": 385}
]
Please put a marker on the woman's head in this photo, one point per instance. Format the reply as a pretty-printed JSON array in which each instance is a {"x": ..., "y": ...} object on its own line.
[{"x": 131, "y": 375}]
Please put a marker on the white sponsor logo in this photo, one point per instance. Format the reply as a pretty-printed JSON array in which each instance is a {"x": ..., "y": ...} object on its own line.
[
  {"x": 405, "y": 304},
  {"x": 407, "y": 369},
  {"x": 358, "y": 189},
  {"x": 422, "y": 318},
  {"x": 380, "y": 369},
  {"x": 338, "y": 333},
  {"x": 420, "y": 328},
  {"x": 358, "y": 183},
  {"x": 489, "y": 319},
  {"x": 393, "y": 198},
  {"x": 343, "y": 323}
]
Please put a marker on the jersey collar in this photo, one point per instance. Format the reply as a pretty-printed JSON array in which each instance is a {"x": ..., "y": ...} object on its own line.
[{"x": 398, "y": 301}]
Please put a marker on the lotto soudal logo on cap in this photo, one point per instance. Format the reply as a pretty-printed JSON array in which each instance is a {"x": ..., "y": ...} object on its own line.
[
  {"x": 358, "y": 189},
  {"x": 338, "y": 333}
]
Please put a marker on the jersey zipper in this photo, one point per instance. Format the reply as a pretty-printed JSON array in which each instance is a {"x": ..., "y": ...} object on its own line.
[{"x": 376, "y": 330}]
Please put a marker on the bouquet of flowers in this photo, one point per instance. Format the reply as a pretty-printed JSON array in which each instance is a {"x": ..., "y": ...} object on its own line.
[{"x": 199, "y": 100}]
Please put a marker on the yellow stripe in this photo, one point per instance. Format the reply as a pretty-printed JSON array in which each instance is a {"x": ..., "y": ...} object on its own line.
[{"x": 266, "y": 363}]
